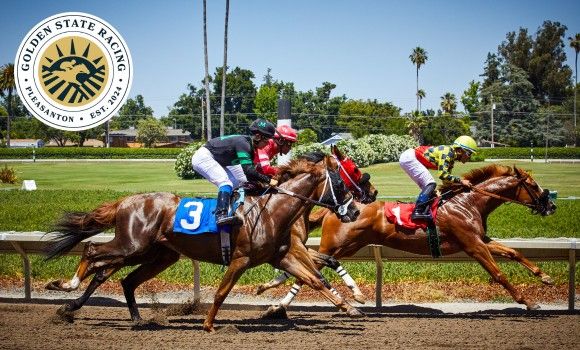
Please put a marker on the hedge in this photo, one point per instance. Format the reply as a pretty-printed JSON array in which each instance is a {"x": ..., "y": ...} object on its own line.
[
  {"x": 89, "y": 153},
  {"x": 172, "y": 153},
  {"x": 525, "y": 152}
]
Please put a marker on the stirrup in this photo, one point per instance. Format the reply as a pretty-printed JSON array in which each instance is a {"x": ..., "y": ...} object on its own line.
[
  {"x": 421, "y": 216},
  {"x": 228, "y": 220}
]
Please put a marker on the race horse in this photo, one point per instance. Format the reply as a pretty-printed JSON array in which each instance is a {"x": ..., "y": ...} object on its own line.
[
  {"x": 461, "y": 221},
  {"x": 364, "y": 192},
  {"x": 144, "y": 236}
]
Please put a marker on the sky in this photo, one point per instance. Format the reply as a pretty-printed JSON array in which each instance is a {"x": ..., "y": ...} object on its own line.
[{"x": 361, "y": 46}]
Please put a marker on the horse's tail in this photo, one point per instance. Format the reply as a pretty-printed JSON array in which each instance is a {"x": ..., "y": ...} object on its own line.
[
  {"x": 73, "y": 227},
  {"x": 315, "y": 218}
]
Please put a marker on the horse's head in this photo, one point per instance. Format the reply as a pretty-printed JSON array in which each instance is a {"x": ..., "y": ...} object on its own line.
[
  {"x": 330, "y": 190},
  {"x": 358, "y": 183},
  {"x": 530, "y": 193},
  {"x": 333, "y": 191},
  {"x": 509, "y": 185}
]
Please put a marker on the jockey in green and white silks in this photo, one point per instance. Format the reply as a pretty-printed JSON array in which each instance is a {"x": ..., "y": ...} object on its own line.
[
  {"x": 227, "y": 163},
  {"x": 416, "y": 161}
]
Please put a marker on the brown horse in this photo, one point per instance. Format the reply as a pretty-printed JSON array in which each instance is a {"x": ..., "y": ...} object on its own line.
[
  {"x": 461, "y": 220},
  {"x": 144, "y": 236},
  {"x": 364, "y": 192}
]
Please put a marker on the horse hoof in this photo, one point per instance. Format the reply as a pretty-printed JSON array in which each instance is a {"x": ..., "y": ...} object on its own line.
[
  {"x": 64, "y": 314},
  {"x": 533, "y": 307},
  {"x": 54, "y": 285},
  {"x": 275, "y": 312},
  {"x": 208, "y": 328},
  {"x": 547, "y": 280},
  {"x": 359, "y": 298},
  {"x": 355, "y": 313},
  {"x": 261, "y": 289}
]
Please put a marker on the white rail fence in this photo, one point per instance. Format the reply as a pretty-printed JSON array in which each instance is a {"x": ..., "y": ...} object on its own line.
[{"x": 537, "y": 249}]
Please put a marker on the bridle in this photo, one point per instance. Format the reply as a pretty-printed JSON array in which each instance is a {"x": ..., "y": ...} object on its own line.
[
  {"x": 341, "y": 209},
  {"x": 539, "y": 202},
  {"x": 360, "y": 192}
]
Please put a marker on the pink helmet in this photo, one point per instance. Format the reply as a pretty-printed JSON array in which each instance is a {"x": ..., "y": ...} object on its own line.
[{"x": 287, "y": 133}]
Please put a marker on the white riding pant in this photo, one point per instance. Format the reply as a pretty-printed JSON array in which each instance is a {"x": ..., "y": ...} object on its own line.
[
  {"x": 204, "y": 164},
  {"x": 416, "y": 171}
]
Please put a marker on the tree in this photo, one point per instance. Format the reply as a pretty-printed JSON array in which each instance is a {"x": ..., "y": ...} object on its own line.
[
  {"x": 131, "y": 112},
  {"x": 224, "y": 68},
  {"x": 150, "y": 130},
  {"x": 575, "y": 44},
  {"x": 448, "y": 103},
  {"x": 548, "y": 71},
  {"x": 266, "y": 102},
  {"x": 517, "y": 50},
  {"x": 8, "y": 83},
  {"x": 443, "y": 129},
  {"x": 421, "y": 95},
  {"x": 490, "y": 71},
  {"x": 186, "y": 112},
  {"x": 361, "y": 118},
  {"x": 206, "y": 78},
  {"x": 470, "y": 98},
  {"x": 515, "y": 119},
  {"x": 306, "y": 137},
  {"x": 418, "y": 58}
]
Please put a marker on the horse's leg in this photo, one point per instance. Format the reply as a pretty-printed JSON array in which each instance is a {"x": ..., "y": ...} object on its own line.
[
  {"x": 301, "y": 266},
  {"x": 84, "y": 270},
  {"x": 499, "y": 249},
  {"x": 164, "y": 258},
  {"x": 233, "y": 273},
  {"x": 479, "y": 251},
  {"x": 281, "y": 278},
  {"x": 327, "y": 260},
  {"x": 100, "y": 277}
]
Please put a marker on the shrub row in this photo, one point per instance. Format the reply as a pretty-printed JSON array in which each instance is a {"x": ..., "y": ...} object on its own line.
[
  {"x": 526, "y": 152},
  {"x": 367, "y": 150},
  {"x": 88, "y": 153}
]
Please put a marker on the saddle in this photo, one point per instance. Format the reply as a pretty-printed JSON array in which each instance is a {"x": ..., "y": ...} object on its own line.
[
  {"x": 399, "y": 213},
  {"x": 197, "y": 216}
]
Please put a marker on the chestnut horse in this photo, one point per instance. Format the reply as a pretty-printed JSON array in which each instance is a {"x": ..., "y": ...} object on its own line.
[
  {"x": 144, "y": 236},
  {"x": 364, "y": 192},
  {"x": 461, "y": 221}
]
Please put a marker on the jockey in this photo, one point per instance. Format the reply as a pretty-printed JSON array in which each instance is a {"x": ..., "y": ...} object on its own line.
[
  {"x": 226, "y": 162},
  {"x": 281, "y": 144},
  {"x": 416, "y": 161}
]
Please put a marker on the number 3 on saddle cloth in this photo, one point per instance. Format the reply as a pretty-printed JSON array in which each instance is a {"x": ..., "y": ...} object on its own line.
[
  {"x": 400, "y": 214},
  {"x": 195, "y": 216}
]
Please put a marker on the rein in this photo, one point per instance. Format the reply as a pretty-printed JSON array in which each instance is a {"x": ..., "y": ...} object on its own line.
[
  {"x": 341, "y": 208},
  {"x": 521, "y": 182}
]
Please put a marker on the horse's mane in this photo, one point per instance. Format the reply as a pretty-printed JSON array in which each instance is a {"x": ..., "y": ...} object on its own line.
[
  {"x": 479, "y": 175},
  {"x": 306, "y": 163}
]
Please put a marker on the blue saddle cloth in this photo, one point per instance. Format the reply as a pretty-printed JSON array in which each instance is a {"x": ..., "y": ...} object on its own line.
[{"x": 196, "y": 216}]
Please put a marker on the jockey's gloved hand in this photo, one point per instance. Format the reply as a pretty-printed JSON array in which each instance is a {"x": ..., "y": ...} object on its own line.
[
  {"x": 466, "y": 183},
  {"x": 273, "y": 182}
]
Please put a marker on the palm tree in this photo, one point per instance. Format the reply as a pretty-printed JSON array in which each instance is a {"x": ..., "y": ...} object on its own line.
[
  {"x": 224, "y": 68},
  {"x": 421, "y": 95},
  {"x": 575, "y": 44},
  {"x": 418, "y": 57},
  {"x": 207, "y": 104},
  {"x": 448, "y": 103},
  {"x": 7, "y": 82}
]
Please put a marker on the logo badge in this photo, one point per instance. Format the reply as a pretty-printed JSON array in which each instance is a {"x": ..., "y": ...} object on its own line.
[{"x": 73, "y": 71}]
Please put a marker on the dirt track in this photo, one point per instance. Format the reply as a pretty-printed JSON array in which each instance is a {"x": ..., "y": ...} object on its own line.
[{"x": 34, "y": 326}]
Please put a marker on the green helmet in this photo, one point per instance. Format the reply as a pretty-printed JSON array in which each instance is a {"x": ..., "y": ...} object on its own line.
[{"x": 466, "y": 142}]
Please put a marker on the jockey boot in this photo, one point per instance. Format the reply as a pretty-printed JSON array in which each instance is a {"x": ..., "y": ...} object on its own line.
[
  {"x": 422, "y": 209},
  {"x": 222, "y": 210}
]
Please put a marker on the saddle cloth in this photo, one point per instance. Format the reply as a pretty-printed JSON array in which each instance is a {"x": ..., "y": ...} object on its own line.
[
  {"x": 195, "y": 216},
  {"x": 400, "y": 214}
]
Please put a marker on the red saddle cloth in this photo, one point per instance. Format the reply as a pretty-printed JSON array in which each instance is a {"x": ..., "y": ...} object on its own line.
[{"x": 400, "y": 214}]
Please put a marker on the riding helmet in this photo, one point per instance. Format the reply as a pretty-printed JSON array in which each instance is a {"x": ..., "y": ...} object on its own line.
[
  {"x": 466, "y": 142},
  {"x": 263, "y": 127}
]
